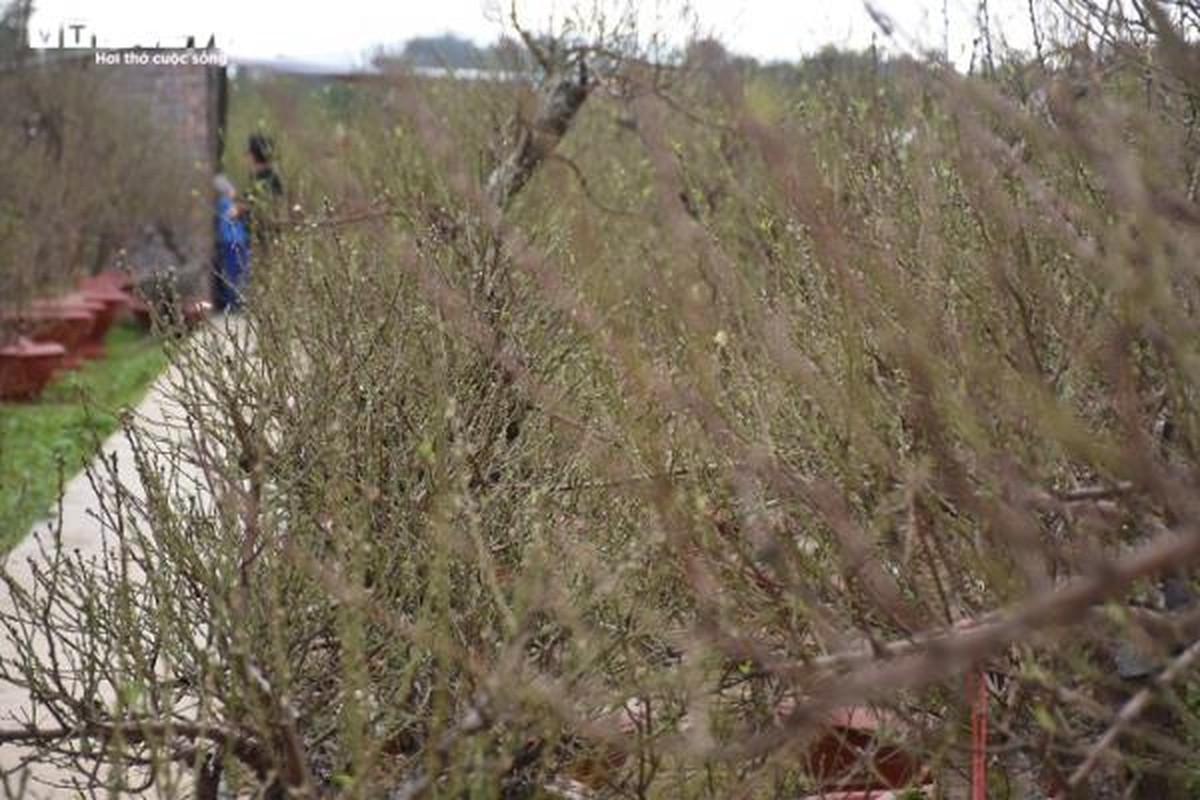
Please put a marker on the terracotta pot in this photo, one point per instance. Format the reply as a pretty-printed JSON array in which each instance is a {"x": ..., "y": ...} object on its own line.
[
  {"x": 108, "y": 279},
  {"x": 27, "y": 366},
  {"x": 141, "y": 312},
  {"x": 69, "y": 327},
  {"x": 873, "y": 794},
  {"x": 93, "y": 344},
  {"x": 116, "y": 301},
  {"x": 838, "y": 757}
]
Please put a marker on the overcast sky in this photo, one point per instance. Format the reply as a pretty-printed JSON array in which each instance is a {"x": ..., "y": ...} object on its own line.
[{"x": 341, "y": 32}]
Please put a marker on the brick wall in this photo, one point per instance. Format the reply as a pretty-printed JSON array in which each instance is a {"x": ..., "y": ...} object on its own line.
[{"x": 184, "y": 106}]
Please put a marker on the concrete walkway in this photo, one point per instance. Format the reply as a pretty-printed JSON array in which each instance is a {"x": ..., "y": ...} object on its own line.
[{"x": 159, "y": 416}]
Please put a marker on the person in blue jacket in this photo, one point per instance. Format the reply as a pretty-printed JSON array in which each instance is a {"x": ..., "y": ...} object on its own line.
[{"x": 233, "y": 248}]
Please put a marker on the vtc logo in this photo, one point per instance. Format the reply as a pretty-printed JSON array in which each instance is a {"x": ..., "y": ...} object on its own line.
[
  {"x": 66, "y": 34},
  {"x": 76, "y": 33}
]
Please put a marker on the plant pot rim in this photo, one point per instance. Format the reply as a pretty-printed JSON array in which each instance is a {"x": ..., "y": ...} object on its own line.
[
  {"x": 42, "y": 314},
  {"x": 102, "y": 292},
  {"x": 25, "y": 347}
]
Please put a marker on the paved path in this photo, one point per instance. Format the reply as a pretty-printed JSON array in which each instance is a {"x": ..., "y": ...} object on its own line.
[{"x": 157, "y": 414}]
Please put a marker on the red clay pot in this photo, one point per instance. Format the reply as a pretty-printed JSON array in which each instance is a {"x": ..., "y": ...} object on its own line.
[
  {"x": 66, "y": 326},
  {"x": 874, "y": 794},
  {"x": 108, "y": 279},
  {"x": 27, "y": 366},
  {"x": 93, "y": 344},
  {"x": 142, "y": 313},
  {"x": 116, "y": 301},
  {"x": 850, "y": 756}
]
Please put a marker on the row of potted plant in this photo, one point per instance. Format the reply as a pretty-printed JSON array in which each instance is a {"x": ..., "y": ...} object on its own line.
[{"x": 48, "y": 335}]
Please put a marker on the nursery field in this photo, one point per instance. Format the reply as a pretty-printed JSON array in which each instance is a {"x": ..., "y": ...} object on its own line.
[{"x": 640, "y": 428}]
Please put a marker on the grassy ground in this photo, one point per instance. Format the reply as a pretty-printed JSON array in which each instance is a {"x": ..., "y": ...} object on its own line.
[{"x": 47, "y": 441}]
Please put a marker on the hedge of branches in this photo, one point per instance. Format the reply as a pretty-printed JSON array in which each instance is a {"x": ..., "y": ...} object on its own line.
[{"x": 604, "y": 447}]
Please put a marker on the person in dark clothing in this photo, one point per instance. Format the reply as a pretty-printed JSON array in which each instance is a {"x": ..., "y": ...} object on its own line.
[
  {"x": 265, "y": 197},
  {"x": 261, "y": 152}
]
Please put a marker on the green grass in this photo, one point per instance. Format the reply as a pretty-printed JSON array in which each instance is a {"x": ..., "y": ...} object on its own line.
[{"x": 44, "y": 442}]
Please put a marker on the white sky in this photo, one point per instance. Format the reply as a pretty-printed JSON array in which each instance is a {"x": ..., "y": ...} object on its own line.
[{"x": 341, "y": 32}]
